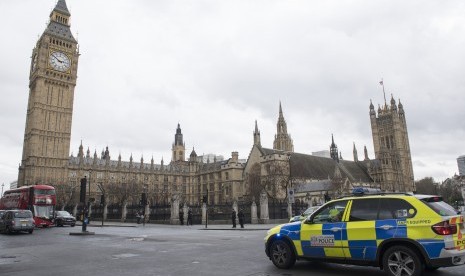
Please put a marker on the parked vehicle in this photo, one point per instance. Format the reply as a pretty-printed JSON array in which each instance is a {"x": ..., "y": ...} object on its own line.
[
  {"x": 403, "y": 234},
  {"x": 64, "y": 218},
  {"x": 16, "y": 221},
  {"x": 39, "y": 199}
]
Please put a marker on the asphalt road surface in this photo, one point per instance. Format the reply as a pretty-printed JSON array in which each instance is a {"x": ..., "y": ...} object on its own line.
[{"x": 157, "y": 250}]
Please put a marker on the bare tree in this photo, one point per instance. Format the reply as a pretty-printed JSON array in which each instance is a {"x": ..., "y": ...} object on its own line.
[
  {"x": 66, "y": 193},
  {"x": 274, "y": 181},
  {"x": 254, "y": 182},
  {"x": 125, "y": 192},
  {"x": 277, "y": 179}
]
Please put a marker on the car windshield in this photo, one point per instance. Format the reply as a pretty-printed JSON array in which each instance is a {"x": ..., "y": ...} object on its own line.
[
  {"x": 310, "y": 210},
  {"x": 439, "y": 206},
  {"x": 23, "y": 214},
  {"x": 63, "y": 213}
]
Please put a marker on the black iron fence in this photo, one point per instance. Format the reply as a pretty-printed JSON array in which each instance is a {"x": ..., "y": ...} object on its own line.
[{"x": 161, "y": 213}]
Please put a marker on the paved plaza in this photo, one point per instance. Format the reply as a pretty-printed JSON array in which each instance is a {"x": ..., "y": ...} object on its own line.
[{"x": 132, "y": 249}]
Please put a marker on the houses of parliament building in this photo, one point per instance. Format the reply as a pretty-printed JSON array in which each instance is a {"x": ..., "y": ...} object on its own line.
[{"x": 46, "y": 149}]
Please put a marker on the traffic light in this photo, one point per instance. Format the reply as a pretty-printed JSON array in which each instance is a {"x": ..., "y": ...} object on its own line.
[
  {"x": 102, "y": 200},
  {"x": 82, "y": 194}
]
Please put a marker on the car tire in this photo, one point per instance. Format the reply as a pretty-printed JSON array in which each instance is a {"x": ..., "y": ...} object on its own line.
[
  {"x": 72, "y": 225},
  {"x": 402, "y": 261},
  {"x": 281, "y": 254},
  {"x": 30, "y": 231},
  {"x": 8, "y": 230}
]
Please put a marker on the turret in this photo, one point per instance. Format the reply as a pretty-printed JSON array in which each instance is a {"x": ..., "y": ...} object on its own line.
[
  {"x": 283, "y": 140},
  {"x": 178, "y": 149},
  {"x": 333, "y": 150},
  {"x": 256, "y": 135}
]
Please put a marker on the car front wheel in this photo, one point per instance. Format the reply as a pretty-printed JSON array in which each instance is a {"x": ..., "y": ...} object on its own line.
[
  {"x": 281, "y": 254},
  {"x": 402, "y": 261}
]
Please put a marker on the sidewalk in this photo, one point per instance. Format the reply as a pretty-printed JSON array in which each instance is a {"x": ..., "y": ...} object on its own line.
[{"x": 247, "y": 227}]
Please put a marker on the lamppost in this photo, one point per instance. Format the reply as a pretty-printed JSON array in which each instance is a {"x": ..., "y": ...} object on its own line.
[
  {"x": 206, "y": 209},
  {"x": 3, "y": 184},
  {"x": 90, "y": 171},
  {"x": 87, "y": 209},
  {"x": 144, "y": 201}
]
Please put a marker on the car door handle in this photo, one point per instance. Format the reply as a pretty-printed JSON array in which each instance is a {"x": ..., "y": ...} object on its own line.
[
  {"x": 336, "y": 229},
  {"x": 386, "y": 227}
]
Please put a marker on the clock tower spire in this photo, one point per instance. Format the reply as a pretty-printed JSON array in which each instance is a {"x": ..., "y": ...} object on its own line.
[{"x": 52, "y": 79}]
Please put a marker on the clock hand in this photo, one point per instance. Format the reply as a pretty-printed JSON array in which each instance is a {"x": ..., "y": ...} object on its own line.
[{"x": 57, "y": 58}]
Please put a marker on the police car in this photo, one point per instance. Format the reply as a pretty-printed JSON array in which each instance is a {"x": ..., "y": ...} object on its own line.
[{"x": 403, "y": 234}]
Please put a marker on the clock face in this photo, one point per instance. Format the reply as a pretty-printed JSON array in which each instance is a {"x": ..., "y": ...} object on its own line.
[{"x": 59, "y": 61}]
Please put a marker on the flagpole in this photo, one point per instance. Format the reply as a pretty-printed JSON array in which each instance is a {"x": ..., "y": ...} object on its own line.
[{"x": 384, "y": 93}]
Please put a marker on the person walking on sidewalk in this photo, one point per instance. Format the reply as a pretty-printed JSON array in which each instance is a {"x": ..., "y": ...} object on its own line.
[
  {"x": 241, "y": 218},
  {"x": 233, "y": 218},
  {"x": 189, "y": 217},
  {"x": 181, "y": 217}
]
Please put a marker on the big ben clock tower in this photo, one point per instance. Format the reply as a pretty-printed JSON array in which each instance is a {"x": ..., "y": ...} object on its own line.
[{"x": 52, "y": 81}]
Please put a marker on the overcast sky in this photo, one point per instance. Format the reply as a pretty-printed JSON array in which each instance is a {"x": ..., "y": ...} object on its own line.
[{"x": 217, "y": 66}]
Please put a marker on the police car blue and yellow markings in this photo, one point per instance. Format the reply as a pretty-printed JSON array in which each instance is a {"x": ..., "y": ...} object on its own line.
[
  {"x": 360, "y": 240},
  {"x": 291, "y": 230}
]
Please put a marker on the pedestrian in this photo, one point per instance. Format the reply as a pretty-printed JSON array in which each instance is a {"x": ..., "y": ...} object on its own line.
[
  {"x": 241, "y": 218},
  {"x": 233, "y": 218},
  {"x": 181, "y": 216},
  {"x": 138, "y": 217},
  {"x": 189, "y": 217}
]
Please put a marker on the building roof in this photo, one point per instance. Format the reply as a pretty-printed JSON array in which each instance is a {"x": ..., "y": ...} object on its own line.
[
  {"x": 62, "y": 8},
  {"x": 316, "y": 167},
  {"x": 60, "y": 31}
]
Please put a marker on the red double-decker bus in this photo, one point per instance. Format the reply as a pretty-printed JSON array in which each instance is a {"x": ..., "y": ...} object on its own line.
[{"x": 40, "y": 199}]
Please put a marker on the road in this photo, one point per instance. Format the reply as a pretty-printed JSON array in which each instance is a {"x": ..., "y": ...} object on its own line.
[{"x": 157, "y": 250}]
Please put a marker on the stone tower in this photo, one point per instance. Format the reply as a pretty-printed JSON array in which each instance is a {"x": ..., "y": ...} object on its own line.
[
  {"x": 52, "y": 81},
  {"x": 256, "y": 135},
  {"x": 333, "y": 150},
  {"x": 282, "y": 140},
  {"x": 179, "y": 148},
  {"x": 393, "y": 169}
]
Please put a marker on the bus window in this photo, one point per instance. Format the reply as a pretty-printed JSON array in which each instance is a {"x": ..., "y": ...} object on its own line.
[{"x": 44, "y": 192}]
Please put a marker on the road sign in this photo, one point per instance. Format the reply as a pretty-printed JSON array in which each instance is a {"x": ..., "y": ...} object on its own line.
[{"x": 290, "y": 195}]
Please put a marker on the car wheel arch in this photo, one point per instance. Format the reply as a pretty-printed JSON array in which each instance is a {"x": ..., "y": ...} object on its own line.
[
  {"x": 283, "y": 238},
  {"x": 412, "y": 244}
]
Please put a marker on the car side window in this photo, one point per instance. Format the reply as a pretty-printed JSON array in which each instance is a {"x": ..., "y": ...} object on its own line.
[
  {"x": 364, "y": 209},
  {"x": 396, "y": 208},
  {"x": 332, "y": 212}
]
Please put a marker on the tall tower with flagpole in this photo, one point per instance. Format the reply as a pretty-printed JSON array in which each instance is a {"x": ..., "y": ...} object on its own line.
[{"x": 392, "y": 167}]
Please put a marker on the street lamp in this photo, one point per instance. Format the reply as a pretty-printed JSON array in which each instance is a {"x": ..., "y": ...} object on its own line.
[
  {"x": 144, "y": 201},
  {"x": 90, "y": 171},
  {"x": 3, "y": 184}
]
